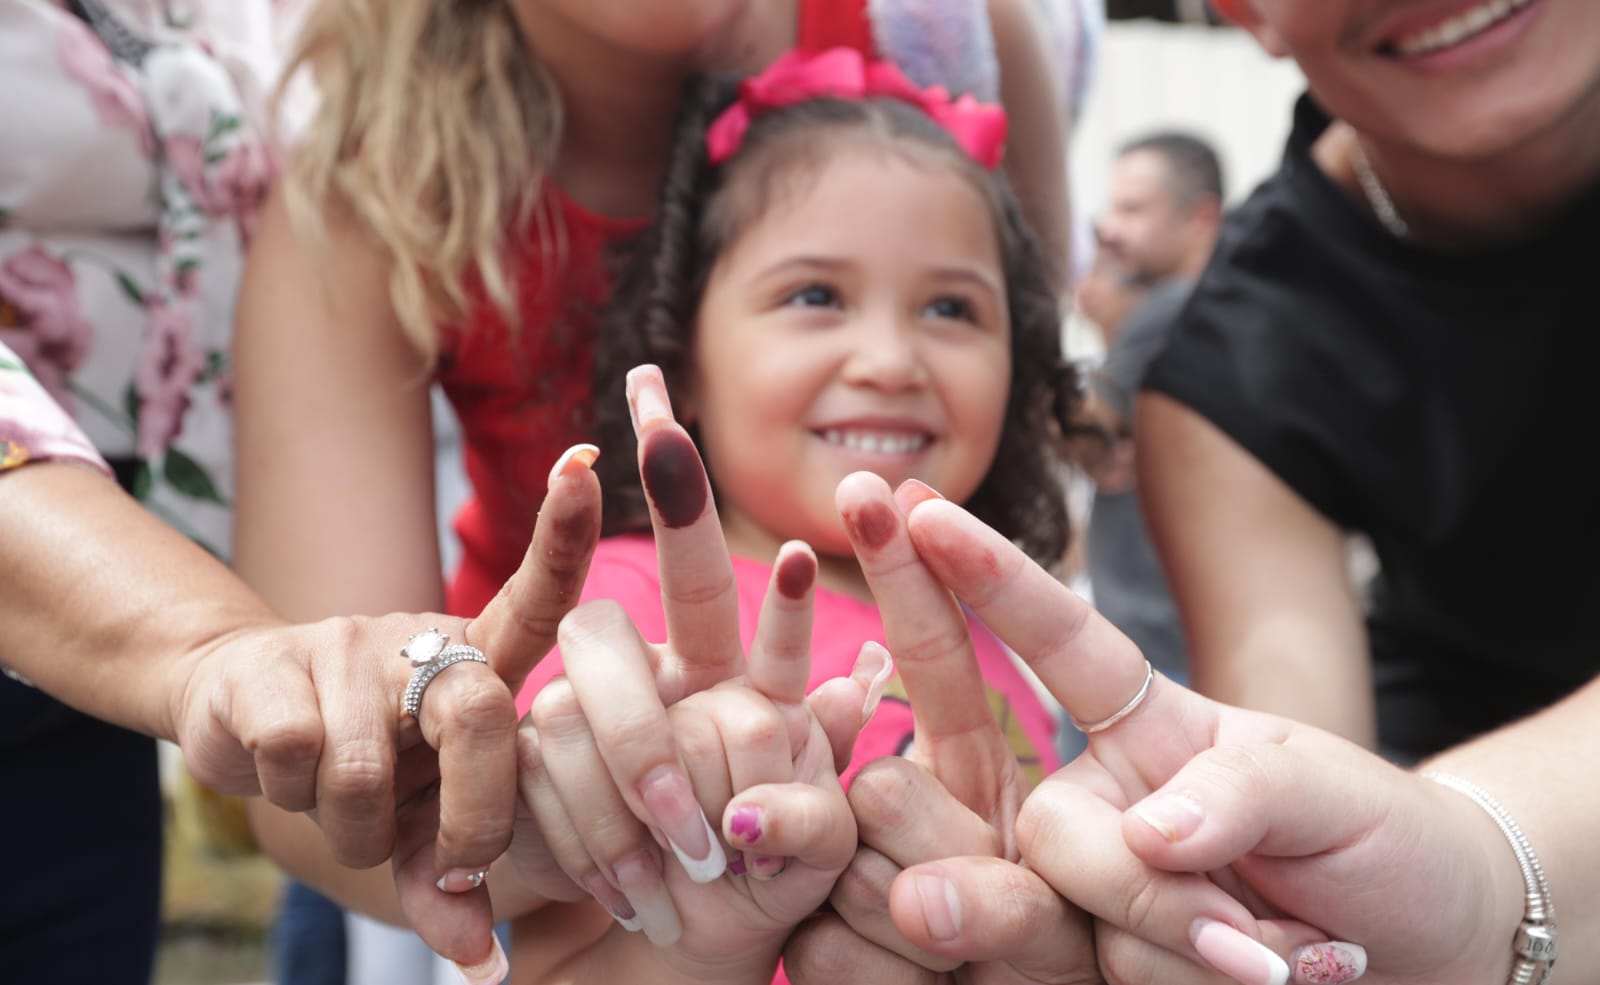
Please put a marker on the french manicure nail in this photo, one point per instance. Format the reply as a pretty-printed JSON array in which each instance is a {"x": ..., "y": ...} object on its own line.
[
  {"x": 647, "y": 396},
  {"x": 461, "y": 880},
  {"x": 1328, "y": 963},
  {"x": 639, "y": 877},
  {"x": 875, "y": 661},
  {"x": 1236, "y": 954},
  {"x": 490, "y": 971},
  {"x": 612, "y": 899},
  {"x": 670, "y": 799},
  {"x": 574, "y": 458},
  {"x": 1175, "y": 816},
  {"x": 941, "y": 907}
]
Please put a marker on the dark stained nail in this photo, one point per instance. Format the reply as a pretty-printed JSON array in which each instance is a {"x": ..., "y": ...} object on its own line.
[
  {"x": 674, "y": 478},
  {"x": 872, "y": 525},
  {"x": 795, "y": 575}
]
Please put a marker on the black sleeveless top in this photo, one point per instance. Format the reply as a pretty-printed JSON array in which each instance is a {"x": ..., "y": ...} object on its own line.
[{"x": 1436, "y": 401}]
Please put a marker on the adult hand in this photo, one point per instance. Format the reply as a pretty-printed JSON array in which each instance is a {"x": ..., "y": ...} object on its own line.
[
  {"x": 310, "y": 717},
  {"x": 956, "y": 793},
  {"x": 1205, "y": 837}
]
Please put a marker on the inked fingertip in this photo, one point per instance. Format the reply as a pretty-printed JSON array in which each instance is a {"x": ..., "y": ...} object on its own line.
[{"x": 797, "y": 572}]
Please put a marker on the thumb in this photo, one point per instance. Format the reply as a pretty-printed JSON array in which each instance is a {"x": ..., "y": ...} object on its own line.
[
  {"x": 518, "y": 627},
  {"x": 457, "y": 926},
  {"x": 844, "y": 704},
  {"x": 1267, "y": 799},
  {"x": 980, "y": 908}
]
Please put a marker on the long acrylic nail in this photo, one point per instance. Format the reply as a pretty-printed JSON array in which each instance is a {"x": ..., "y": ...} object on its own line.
[
  {"x": 1236, "y": 954},
  {"x": 573, "y": 459},
  {"x": 612, "y": 899},
  {"x": 647, "y": 397},
  {"x": 490, "y": 971},
  {"x": 668, "y": 796},
  {"x": 1174, "y": 816},
  {"x": 639, "y": 877},
  {"x": 461, "y": 880},
  {"x": 874, "y": 666},
  {"x": 1327, "y": 963},
  {"x": 941, "y": 907}
]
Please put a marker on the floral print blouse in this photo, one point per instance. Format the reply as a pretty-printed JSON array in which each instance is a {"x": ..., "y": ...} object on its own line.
[
  {"x": 33, "y": 428},
  {"x": 131, "y": 171}
]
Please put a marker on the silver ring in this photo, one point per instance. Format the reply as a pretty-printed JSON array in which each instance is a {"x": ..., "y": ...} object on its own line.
[
  {"x": 430, "y": 653},
  {"x": 1123, "y": 712}
]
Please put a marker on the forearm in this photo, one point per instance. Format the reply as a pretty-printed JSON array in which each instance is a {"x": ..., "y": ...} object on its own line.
[
  {"x": 1542, "y": 770},
  {"x": 1296, "y": 674},
  {"x": 296, "y": 844},
  {"x": 105, "y": 607}
]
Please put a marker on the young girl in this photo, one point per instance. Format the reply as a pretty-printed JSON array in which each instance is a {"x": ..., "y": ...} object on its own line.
[
  {"x": 838, "y": 282},
  {"x": 465, "y": 168}
]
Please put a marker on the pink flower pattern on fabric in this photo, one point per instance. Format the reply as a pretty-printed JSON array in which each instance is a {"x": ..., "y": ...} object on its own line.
[
  {"x": 40, "y": 318},
  {"x": 235, "y": 185},
  {"x": 117, "y": 101},
  {"x": 169, "y": 365},
  {"x": 33, "y": 428}
]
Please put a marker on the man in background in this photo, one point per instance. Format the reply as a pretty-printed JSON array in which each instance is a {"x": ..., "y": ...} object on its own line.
[{"x": 1154, "y": 240}]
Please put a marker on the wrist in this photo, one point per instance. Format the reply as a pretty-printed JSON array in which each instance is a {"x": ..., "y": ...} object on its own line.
[{"x": 1519, "y": 909}]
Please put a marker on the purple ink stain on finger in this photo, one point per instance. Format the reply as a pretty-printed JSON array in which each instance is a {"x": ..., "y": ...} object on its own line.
[
  {"x": 795, "y": 575},
  {"x": 745, "y": 824},
  {"x": 736, "y": 865},
  {"x": 872, "y": 525},
  {"x": 674, "y": 478}
]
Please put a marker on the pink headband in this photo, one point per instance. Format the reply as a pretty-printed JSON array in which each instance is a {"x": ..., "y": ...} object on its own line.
[{"x": 844, "y": 73}]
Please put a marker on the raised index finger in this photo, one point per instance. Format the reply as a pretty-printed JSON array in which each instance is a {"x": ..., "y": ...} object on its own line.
[
  {"x": 518, "y": 626},
  {"x": 1090, "y": 667},
  {"x": 698, "y": 594},
  {"x": 956, "y": 734}
]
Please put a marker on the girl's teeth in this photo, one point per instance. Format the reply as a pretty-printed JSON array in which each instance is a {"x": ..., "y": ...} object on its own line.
[{"x": 873, "y": 443}]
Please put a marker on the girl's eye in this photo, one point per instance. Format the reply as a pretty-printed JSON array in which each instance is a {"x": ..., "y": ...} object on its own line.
[
  {"x": 813, "y": 296},
  {"x": 954, "y": 309}
]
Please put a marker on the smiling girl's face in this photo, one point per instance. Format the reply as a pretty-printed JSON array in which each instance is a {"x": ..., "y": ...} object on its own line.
[{"x": 859, "y": 324}]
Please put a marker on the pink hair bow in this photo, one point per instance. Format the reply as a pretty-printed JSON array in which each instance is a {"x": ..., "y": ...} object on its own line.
[{"x": 844, "y": 73}]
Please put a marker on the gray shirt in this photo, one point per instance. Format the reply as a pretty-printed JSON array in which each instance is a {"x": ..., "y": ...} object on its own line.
[{"x": 1129, "y": 587}]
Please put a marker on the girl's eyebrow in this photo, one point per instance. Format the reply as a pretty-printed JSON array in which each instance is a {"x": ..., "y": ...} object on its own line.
[{"x": 975, "y": 276}]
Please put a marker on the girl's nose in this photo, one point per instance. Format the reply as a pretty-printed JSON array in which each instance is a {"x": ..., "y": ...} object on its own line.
[{"x": 885, "y": 353}]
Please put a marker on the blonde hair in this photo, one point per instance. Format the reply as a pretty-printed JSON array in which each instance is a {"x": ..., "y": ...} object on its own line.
[{"x": 434, "y": 126}]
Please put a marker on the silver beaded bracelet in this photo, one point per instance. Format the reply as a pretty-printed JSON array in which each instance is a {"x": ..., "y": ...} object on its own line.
[{"x": 1535, "y": 941}]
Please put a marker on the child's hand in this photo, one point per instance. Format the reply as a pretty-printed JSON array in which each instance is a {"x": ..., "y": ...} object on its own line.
[{"x": 604, "y": 754}]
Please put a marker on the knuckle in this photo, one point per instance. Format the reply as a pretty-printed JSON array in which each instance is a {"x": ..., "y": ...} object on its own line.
[
  {"x": 1141, "y": 905},
  {"x": 1125, "y": 959},
  {"x": 585, "y": 624},
  {"x": 863, "y": 886},
  {"x": 479, "y": 704},
  {"x": 360, "y": 774},
  {"x": 881, "y": 795},
  {"x": 555, "y": 708},
  {"x": 294, "y": 743},
  {"x": 823, "y": 950}
]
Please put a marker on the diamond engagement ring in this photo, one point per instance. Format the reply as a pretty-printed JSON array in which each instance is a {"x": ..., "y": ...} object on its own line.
[{"x": 431, "y": 653}]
